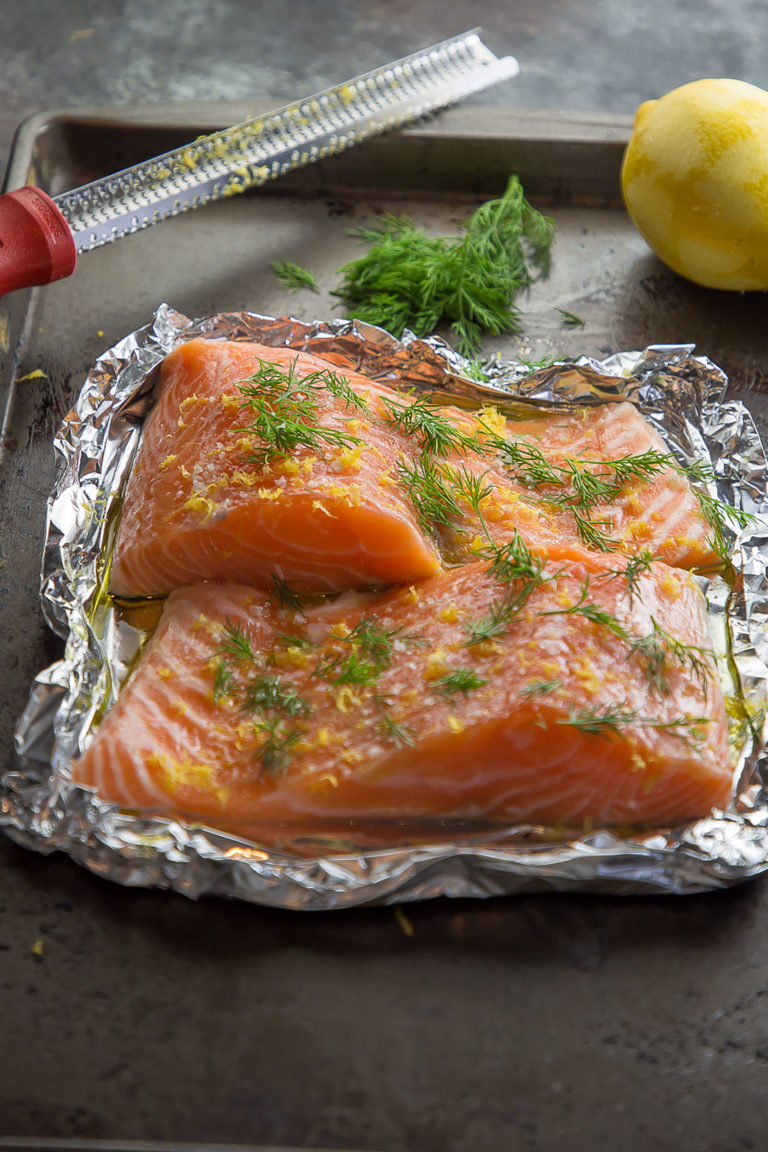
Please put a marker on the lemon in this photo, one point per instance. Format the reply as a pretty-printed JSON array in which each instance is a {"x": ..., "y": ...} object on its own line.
[{"x": 695, "y": 182}]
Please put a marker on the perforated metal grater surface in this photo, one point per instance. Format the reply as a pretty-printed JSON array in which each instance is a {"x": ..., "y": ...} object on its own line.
[{"x": 262, "y": 148}]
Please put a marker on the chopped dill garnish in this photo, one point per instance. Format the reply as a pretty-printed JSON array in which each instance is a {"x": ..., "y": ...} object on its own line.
[
  {"x": 514, "y": 561},
  {"x": 408, "y": 279},
  {"x": 437, "y": 434},
  {"x": 658, "y": 648},
  {"x": 276, "y": 752},
  {"x": 263, "y": 696},
  {"x": 265, "y": 692},
  {"x": 284, "y": 596},
  {"x": 593, "y": 612},
  {"x": 432, "y": 498},
  {"x": 499, "y": 616},
  {"x": 475, "y": 371},
  {"x": 284, "y": 409},
  {"x": 288, "y": 640},
  {"x": 341, "y": 388},
  {"x": 236, "y": 643},
  {"x": 394, "y": 732},
  {"x": 294, "y": 276},
  {"x": 223, "y": 682},
  {"x": 470, "y": 487},
  {"x": 540, "y": 687},
  {"x": 372, "y": 648},
  {"x": 635, "y": 568},
  {"x": 570, "y": 319},
  {"x": 611, "y": 719},
  {"x": 721, "y": 517},
  {"x": 464, "y": 680},
  {"x": 527, "y": 462},
  {"x": 591, "y": 532},
  {"x": 349, "y": 668}
]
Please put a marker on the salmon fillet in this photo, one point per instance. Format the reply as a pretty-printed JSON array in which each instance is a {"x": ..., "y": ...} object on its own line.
[
  {"x": 370, "y": 487},
  {"x": 657, "y": 509},
  {"x": 564, "y": 695}
]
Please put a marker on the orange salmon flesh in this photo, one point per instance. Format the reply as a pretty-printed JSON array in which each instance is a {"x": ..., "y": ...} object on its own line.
[
  {"x": 382, "y": 609},
  {"x": 349, "y": 511},
  {"x": 400, "y": 705}
]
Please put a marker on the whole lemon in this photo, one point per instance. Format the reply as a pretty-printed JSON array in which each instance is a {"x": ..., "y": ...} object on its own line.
[{"x": 695, "y": 182}]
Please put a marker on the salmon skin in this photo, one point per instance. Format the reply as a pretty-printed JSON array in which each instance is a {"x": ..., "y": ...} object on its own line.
[
  {"x": 259, "y": 462},
  {"x": 574, "y": 696}
]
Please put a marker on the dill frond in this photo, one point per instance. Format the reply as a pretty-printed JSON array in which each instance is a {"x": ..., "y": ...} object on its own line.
[
  {"x": 294, "y": 276},
  {"x": 408, "y": 279}
]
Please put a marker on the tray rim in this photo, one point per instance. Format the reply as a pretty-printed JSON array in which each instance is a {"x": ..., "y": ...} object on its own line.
[{"x": 552, "y": 126}]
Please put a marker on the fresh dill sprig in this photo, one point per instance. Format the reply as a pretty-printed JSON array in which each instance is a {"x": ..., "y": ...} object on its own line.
[
  {"x": 540, "y": 687},
  {"x": 276, "y": 750},
  {"x": 499, "y": 616},
  {"x": 433, "y": 500},
  {"x": 475, "y": 371},
  {"x": 294, "y": 276},
  {"x": 591, "y": 532},
  {"x": 436, "y": 433},
  {"x": 236, "y": 643},
  {"x": 614, "y": 717},
  {"x": 576, "y": 486},
  {"x": 721, "y": 518},
  {"x": 637, "y": 466},
  {"x": 348, "y": 668},
  {"x": 464, "y": 680},
  {"x": 223, "y": 682},
  {"x": 374, "y": 640},
  {"x": 470, "y": 487},
  {"x": 268, "y": 693},
  {"x": 514, "y": 561},
  {"x": 395, "y": 733},
  {"x": 284, "y": 410},
  {"x": 570, "y": 319},
  {"x": 408, "y": 279},
  {"x": 289, "y": 640},
  {"x": 340, "y": 387},
  {"x": 371, "y": 653},
  {"x": 527, "y": 463},
  {"x": 600, "y": 722},
  {"x": 658, "y": 648},
  {"x": 593, "y": 612},
  {"x": 635, "y": 568},
  {"x": 284, "y": 596}
]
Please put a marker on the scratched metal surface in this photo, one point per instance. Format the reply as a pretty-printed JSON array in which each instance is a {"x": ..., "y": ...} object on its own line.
[{"x": 450, "y": 1025}]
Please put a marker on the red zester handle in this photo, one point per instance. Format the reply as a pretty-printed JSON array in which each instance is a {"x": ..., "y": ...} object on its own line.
[{"x": 36, "y": 244}]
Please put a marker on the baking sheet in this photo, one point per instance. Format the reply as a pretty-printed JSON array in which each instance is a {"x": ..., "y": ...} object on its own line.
[{"x": 220, "y": 258}]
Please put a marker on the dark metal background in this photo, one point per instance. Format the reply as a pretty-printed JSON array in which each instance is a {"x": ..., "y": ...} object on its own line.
[{"x": 450, "y": 1026}]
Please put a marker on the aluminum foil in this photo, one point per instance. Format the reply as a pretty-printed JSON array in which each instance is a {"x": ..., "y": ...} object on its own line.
[{"x": 683, "y": 394}]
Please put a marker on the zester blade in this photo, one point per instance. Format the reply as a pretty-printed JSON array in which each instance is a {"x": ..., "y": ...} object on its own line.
[{"x": 249, "y": 154}]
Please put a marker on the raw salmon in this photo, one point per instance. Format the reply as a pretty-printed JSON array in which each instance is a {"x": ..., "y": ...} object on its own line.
[
  {"x": 570, "y": 696},
  {"x": 202, "y": 504},
  {"x": 655, "y": 509},
  {"x": 333, "y": 482}
]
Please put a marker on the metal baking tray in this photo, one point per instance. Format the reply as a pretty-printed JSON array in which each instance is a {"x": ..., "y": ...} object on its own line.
[
  {"x": 219, "y": 259},
  {"x": 481, "y": 1024}
]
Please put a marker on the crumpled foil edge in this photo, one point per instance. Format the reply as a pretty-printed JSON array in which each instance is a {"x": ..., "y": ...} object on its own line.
[{"x": 684, "y": 395}]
